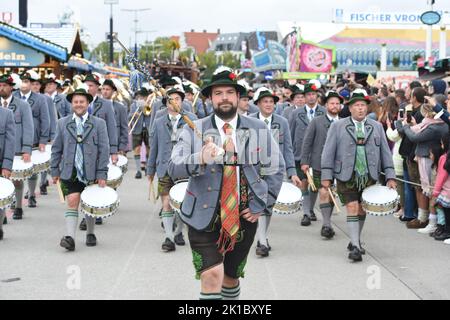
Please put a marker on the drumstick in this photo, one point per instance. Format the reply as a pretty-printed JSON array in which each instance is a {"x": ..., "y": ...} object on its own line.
[
  {"x": 334, "y": 200},
  {"x": 60, "y": 192},
  {"x": 311, "y": 182}
]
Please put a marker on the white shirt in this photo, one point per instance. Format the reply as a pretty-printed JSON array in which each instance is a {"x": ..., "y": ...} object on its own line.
[
  {"x": 262, "y": 118},
  {"x": 8, "y": 101},
  {"x": 53, "y": 95},
  {"x": 332, "y": 119},
  {"x": 308, "y": 111},
  {"x": 220, "y": 123},
  {"x": 84, "y": 118},
  {"x": 26, "y": 95},
  {"x": 175, "y": 127}
]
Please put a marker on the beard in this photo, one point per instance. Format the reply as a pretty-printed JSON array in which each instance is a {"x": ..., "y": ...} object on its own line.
[{"x": 225, "y": 114}]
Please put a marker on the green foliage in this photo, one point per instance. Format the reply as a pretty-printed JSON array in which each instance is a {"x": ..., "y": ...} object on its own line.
[{"x": 396, "y": 61}]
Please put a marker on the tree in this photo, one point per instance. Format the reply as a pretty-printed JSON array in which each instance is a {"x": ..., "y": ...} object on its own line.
[
  {"x": 396, "y": 61},
  {"x": 101, "y": 53}
]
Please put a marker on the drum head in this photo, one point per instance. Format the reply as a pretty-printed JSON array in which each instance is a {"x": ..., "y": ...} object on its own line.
[
  {"x": 20, "y": 165},
  {"x": 6, "y": 188},
  {"x": 48, "y": 148},
  {"x": 289, "y": 193},
  {"x": 40, "y": 157},
  {"x": 114, "y": 172},
  {"x": 178, "y": 192},
  {"x": 102, "y": 201},
  {"x": 379, "y": 195}
]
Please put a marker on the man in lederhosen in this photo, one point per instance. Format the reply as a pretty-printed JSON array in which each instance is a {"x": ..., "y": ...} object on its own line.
[
  {"x": 312, "y": 148},
  {"x": 41, "y": 124},
  {"x": 299, "y": 121},
  {"x": 108, "y": 90},
  {"x": 279, "y": 128},
  {"x": 164, "y": 136},
  {"x": 36, "y": 87},
  {"x": 141, "y": 130},
  {"x": 103, "y": 109},
  {"x": 355, "y": 153},
  {"x": 227, "y": 191},
  {"x": 23, "y": 119},
  {"x": 80, "y": 156},
  {"x": 7, "y": 137}
]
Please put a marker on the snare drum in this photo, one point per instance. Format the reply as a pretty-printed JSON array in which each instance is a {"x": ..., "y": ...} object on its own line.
[
  {"x": 99, "y": 202},
  {"x": 176, "y": 195},
  {"x": 122, "y": 163},
  {"x": 380, "y": 200},
  {"x": 41, "y": 161},
  {"x": 7, "y": 193},
  {"x": 289, "y": 200},
  {"x": 115, "y": 176},
  {"x": 21, "y": 171}
]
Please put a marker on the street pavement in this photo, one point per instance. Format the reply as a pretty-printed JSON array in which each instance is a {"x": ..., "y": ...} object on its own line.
[{"x": 128, "y": 262}]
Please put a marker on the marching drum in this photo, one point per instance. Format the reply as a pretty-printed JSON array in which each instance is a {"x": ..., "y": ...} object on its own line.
[
  {"x": 380, "y": 200},
  {"x": 115, "y": 176},
  {"x": 289, "y": 200},
  {"x": 21, "y": 171},
  {"x": 7, "y": 193},
  {"x": 41, "y": 161},
  {"x": 176, "y": 195},
  {"x": 122, "y": 163},
  {"x": 99, "y": 202}
]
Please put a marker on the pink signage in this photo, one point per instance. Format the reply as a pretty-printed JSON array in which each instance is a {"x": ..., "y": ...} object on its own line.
[{"x": 315, "y": 59}]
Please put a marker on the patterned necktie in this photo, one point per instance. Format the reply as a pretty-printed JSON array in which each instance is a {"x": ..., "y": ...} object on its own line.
[
  {"x": 79, "y": 160},
  {"x": 90, "y": 108},
  {"x": 361, "y": 171},
  {"x": 5, "y": 104},
  {"x": 266, "y": 121},
  {"x": 229, "y": 198}
]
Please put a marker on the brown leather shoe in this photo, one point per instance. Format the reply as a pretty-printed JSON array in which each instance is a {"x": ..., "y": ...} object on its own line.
[{"x": 416, "y": 224}]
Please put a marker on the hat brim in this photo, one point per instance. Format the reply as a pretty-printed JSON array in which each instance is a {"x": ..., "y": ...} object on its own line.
[
  {"x": 87, "y": 95},
  {"x": 341, "y": 99},
  {"x": 179, "y": 93},
  {"x": 275, "y": 98},
  {"x": 354, "y": 100},
  {"x": 94, "y": 81},
  {"x": 206, "y": 91},
  {"x": 296, "y": 93}
]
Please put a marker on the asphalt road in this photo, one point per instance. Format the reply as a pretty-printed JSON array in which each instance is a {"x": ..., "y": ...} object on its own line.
[{"x": 128, "y": 262}]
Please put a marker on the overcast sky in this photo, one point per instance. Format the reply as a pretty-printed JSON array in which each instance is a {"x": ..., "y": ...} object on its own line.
[{"x": 176, "y": 16}]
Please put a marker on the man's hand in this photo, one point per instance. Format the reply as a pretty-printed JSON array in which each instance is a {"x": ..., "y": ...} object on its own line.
[
  {"x": 247, "y": 215},
  {"x": 209, "y": 151},
  {"x": 326, "y": 184},
  {"x": 114, "y": 158},
  {"x": 6, "y": 173},
  {"x": 296, "y": 181},
  {"x": 26, "y": 157},
  {"x": 102, "y": 183},
  {"x": 42, "y": 147},
  {"x": 55, "y": 180},
  {"x": 305, "y": 168},
  {"x": 392, "y": 184}
]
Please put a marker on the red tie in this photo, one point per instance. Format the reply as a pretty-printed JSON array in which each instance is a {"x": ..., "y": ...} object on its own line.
[{"x": 229, "y": 199}]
